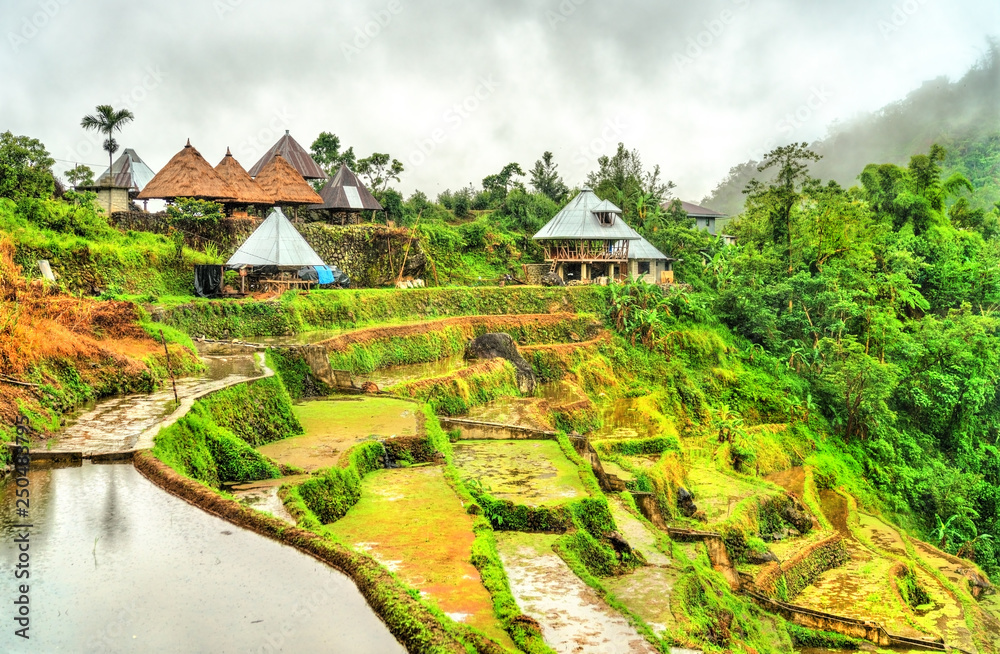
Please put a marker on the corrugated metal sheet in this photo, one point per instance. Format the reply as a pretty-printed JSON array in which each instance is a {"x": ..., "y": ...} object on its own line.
[
  {"x": 643, "y": 250},
  {"x": 345, "y": 192},
  {"x": 577, "y": 222},
  {"x": 294, "y": 154},
  {"x": 130, "y": 172},
  {"x": 275, "y": 242}
]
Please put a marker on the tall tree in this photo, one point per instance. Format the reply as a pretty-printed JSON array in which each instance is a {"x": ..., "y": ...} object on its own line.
[
  {"x": 80, "y": 175},
  {"x": 326, "y": 151},
  {"x": 776, "y": 201},
  {"x": 502, "y": 183},
  {"x": 107, "y": 121},
  {"x": 545, "y": 179},
  {"x": 25, "y": 168},
  {"x": 622, "y": 179},
  {"x": 378, "y": 170}
]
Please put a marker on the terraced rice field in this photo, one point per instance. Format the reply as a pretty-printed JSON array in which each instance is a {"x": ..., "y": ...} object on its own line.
[
  {"x": 526, "y": 472},
  {"x": 333, "y": 425},
  {"x": 412, "y": 522}
]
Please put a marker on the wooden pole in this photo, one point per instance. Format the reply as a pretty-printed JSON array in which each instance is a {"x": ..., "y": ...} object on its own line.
[
  {"x": 169, "y": 369},
  {"x": 406, "y": 252}
]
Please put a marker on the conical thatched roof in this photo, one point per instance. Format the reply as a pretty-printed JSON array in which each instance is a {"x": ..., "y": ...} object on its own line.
[
  {"x": 187, "y": 175},
  {"x": 284, "y": 184},
  {"x": 294, "y": 154},
  {"x": 247, "y": 190},
  {"x": 275, "y": 242},
  {"x": 345, "y": 192}
]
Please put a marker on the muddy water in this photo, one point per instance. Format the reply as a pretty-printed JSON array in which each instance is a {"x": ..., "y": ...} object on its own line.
[
  {"x": 114, "y": 425},
  {"x": 333, "y": 425},
  {"x": 622, "y": 419},
  {"x": 119, "y": 565},
  {"x": 385, "y": 377},
  {"x": 525, "y": 472}
]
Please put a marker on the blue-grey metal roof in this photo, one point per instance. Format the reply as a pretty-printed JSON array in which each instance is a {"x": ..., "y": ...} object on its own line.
[
  {"x": 577, "y": 221},
  {"x": 275, "y": 242},
  {"x": 129, "y": 170},
  {"x": 643, "y": 250}
]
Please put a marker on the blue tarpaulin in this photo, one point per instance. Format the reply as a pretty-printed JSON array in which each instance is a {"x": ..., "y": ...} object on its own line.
[{"x": 325, "y": 274}]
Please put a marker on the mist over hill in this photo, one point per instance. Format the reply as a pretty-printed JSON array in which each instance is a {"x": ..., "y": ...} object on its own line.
[{"x": 963, "y": 116}]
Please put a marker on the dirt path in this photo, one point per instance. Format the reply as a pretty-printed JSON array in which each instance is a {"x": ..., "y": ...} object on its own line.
[
  {"x": 119, "y": 423},
  {"x": 412, "y": 522},
  {"x": 573, "y": 617},
  {"x": 636, "y": 533}
]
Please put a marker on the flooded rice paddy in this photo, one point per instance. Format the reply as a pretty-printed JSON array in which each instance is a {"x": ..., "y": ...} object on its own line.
[
  {"x": 119, "y": 565},
  {"x": 333, "y": 425},
  {"x": 525, "y": 472},
  {"x": 411, "y": 521}
]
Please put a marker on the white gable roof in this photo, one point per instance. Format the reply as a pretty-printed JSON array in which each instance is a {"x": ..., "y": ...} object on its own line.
[{"x": 275, "y": 242}]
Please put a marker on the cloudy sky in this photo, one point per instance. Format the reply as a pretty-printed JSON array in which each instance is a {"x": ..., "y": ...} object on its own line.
[{"x": 456, "y": 90}]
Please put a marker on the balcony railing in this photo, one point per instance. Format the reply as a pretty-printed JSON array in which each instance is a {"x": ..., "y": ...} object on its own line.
[{"x": 587, "y": 251}]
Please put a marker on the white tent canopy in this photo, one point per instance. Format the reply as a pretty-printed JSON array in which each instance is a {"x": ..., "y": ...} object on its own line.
[{"x": 275, "y": 242}]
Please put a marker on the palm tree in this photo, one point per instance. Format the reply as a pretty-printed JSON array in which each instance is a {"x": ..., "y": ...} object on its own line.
[{"x": 107, "y": 121}]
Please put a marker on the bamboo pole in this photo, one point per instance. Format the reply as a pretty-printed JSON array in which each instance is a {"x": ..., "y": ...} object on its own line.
[
  {"x": 169, "y": 369},
  {"x": 406, "y": 252}
]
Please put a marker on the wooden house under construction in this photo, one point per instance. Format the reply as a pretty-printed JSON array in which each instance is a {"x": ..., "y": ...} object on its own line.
[{"x": 587, "y": 239}]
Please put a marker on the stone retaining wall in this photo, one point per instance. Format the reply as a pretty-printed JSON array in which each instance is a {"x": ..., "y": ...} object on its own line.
[{"x": 803, "y": 568}]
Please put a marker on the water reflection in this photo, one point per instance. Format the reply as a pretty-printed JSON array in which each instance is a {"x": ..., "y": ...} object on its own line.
[{"x": 119, "y": 565}]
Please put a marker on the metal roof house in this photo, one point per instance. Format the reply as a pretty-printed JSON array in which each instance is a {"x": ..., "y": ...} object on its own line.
[
  {"x": 705, "y": 218},
  {"x": 344, "y": 195},
  {"x": 275, "y": 242},
  {"x": 294, "y": 154},
  {"x": 128, "y": 175},
  {"x": 587, "y": 239},
  {"x": 647, "y": 263}
]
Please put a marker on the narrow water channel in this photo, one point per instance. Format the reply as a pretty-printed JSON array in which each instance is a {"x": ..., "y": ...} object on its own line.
[{"x": 118, "y": 565}]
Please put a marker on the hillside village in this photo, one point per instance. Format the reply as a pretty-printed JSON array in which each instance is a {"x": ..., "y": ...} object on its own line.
[{"x": 291, "y": 410}]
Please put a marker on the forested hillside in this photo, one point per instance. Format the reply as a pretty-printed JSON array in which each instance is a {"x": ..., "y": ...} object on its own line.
[{"x": 963, "y": 116}]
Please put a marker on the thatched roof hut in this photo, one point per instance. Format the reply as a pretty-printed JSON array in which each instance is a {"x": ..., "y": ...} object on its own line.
[
  {"x": 284, "y": 184},
  {"x": 345, "y": 192},
  {"x": 188, "y": 175},
  {"x": 247, "y": 191},
  {"x": 294, "y": 154}
]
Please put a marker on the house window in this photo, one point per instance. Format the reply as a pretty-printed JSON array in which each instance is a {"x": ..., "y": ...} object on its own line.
[
  {"x": 605, "y": 217},
  {"x": 643, "y": 267}
]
